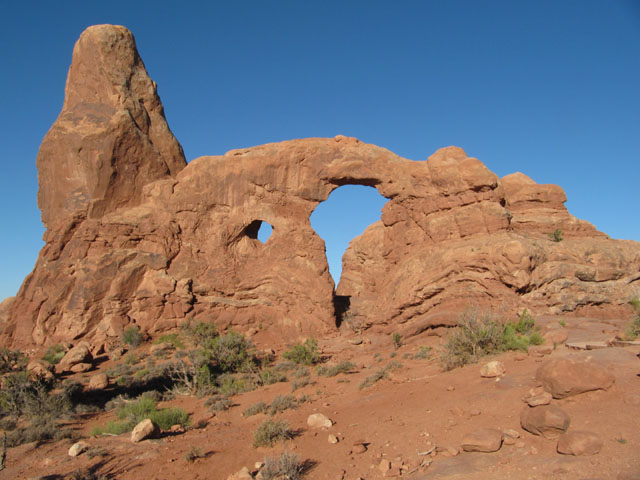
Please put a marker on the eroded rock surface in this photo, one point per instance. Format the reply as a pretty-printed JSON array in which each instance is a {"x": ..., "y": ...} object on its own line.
[{"x": 136, "y": 236}]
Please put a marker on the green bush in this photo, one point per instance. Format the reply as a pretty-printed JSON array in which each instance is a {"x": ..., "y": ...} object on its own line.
[
  {"x": 172, "y": 339},
  {"x": 397, "y": 340},
  {"x": 130, "y": 413},
  {"x": 256, "y": 408},
  {"x": 54, "y": 354},
  {"x": 556, "y": 235},
  {"x": 269, "y": 376},
  {"x": 200, "y": 332},
  {"x": 479, "y": 335},
  {"x": 304, "y": 354},
  {"x": 633, "y": 330},
  {"x": 231, "y": 353},
  {"x": 132, "y": 336},
  {"x": 270, "y": 432},
  {"x": 422, "y": 353}
]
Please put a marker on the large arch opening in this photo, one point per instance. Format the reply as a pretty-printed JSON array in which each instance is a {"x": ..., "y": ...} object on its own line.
[{"x": 348, "y": 211}]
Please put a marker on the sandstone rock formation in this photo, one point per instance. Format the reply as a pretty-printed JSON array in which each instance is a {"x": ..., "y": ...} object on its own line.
[{"x": 136, "y": 236}]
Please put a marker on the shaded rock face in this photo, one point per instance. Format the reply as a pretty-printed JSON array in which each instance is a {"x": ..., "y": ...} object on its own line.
[{"x": 136, "y": 236}]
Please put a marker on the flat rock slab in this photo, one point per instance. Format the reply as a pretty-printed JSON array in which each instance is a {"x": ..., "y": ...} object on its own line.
[
  {"x": 484, "y": 440},
  {"x": 592, "y": 345}
]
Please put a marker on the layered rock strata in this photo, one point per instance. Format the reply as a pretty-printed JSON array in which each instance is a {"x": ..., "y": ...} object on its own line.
[{"x": 137, "y": 236}]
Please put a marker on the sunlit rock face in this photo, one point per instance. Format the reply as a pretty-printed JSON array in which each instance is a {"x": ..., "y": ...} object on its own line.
[{"x": 137, "y": 236}]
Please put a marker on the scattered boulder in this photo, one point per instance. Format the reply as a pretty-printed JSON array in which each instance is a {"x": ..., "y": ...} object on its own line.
[
  {"x": 558, "y": 336},
  {"x": 144, "y": 430},
  {"x": 318, "y": 420},
  {"x": 332, "y": 439},
  {"x": 99, "y": 381},
  {"x": 78, "y": 448},
  {"x": 493, "y": 369},
  {"x": 579, "y": 442},
  {"x": 484, "y": 440},
  {"x": 548, "y": 421},
  {"x": 80, "y": 354},
  {"x": 565, "y": 377},
  {"x": 81, "y": 367},
  {"x": 540, "y": 350},
  {"x": 39, "y": 368},
  {"x": 538, "y": 396}
]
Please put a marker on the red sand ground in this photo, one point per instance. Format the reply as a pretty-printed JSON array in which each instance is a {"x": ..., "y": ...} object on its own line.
[{"x": 398, "y": 418}]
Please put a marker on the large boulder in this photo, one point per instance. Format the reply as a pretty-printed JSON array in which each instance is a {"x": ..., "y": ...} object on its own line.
[
  {"x": 564, "y": 377},
  {"x": 144, "y": 430},
  {"x": 80, "y": 354},
  {"x": 579, "y": 442},
  {"x": 548, "y": 421},
  {"x": 137, "y": 236}
]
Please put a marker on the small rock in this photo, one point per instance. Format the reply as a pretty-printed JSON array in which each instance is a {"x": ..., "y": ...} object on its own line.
[
  {"x": 579, "y": 442},
  {"x": 359, "y": 448},
  {"x": 78, "y": 448},
  {"x": 493, "y": 369},
  {"x": 549, "y": 421},
  {"x": 99, "y": 381},
  {"x": 242, "y": 474},
  {"x": 450, "y": 388},
  {"x": 538, "y": 396},
  {"x": 318, "y": 420},
  {"x": 176, "y": 428},
  {"x": 509, "y": 440},
  {"x": 510, "y": 432},
  {"x": 258, "y": 465},
  {"x": 144, "y": 430},
  {"x": 355, "y": 341},
  {"x": 332, "y": 439},
  {"x": 565, "y": 377},
  {"x": 483, "y": 440},
  {"x": 384, "y": 466},
  {"x": 533, "y": 451}
]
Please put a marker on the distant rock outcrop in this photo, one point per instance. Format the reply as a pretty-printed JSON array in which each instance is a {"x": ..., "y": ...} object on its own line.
[{"x": 136, "y": 236}]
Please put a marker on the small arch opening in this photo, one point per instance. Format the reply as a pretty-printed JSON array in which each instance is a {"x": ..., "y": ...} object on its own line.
[
  {"x": 259, "y": 230},
  {"x": 348, "y": 211}
]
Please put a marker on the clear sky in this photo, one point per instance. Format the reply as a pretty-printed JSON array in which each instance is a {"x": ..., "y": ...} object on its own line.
[{"x": 546, "y": 87}]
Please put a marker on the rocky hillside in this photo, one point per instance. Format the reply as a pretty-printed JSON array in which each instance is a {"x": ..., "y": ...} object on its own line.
[{"x": 135, "y": 236}]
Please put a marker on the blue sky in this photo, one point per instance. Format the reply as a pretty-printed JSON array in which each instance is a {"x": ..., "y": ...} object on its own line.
[{"x": 549, "y": 88}]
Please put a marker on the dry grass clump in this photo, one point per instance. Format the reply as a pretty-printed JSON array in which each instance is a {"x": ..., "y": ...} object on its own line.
[{"x": 270, "y": 432}]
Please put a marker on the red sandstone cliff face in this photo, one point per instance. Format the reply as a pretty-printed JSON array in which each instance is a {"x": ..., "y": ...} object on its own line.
[{"x": 136, "y": 237}]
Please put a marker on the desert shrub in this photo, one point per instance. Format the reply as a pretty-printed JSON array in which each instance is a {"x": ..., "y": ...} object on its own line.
[
  {"x": 172, "y": 339},
  {"x": 479, "y": 335},
  {"x": 556, "y": 236},
  {"x": 32, "y": 398},
  {"x": 219, "y": 403},
  {"x": 304, "y": 354},
  {"x": 132, "y": 336},
  {"x": 193, "y": 454},
  {"x": 131, "y": 359},
  {"x": 54, "y": 354},
  {"x": 200, "y": 332},
  {"x": 269, "y": 376},
  {"x": 270, "y": 432},
  {"x": 11, "y": 360},
  {"x": 286, "y": 466},
  {"x": 285, "y": 366},
  {"x": 633, "y": 329},
  {"x": 300, "y": 383},
  {"x": 332, "y": 371},
  {"x": 422, "y": 353},
  {"x": 397, "y": 340},
  {"x": 379, "y": 375},
  {"x": 230, "y": 353},
  {"x": 255, "y": 409},
  {"x": 40, "y": 431},
  {"x": 282, "y": 403}
]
